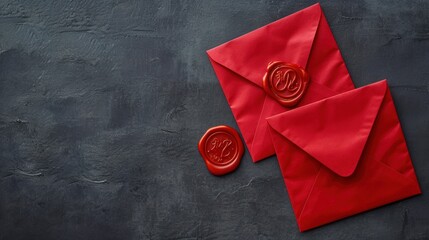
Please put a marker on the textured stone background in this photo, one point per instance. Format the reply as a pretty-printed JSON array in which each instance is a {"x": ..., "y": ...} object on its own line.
[{"x": 102, "y": 104}]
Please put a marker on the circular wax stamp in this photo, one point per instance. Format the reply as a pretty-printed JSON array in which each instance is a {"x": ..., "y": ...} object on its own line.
[
  {"x": 221, "y": 149},
  {"x": 285, "y": 82}
]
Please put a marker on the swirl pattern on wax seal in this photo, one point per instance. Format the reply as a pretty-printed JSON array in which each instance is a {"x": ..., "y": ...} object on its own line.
[{"x": 285, "y": 82}]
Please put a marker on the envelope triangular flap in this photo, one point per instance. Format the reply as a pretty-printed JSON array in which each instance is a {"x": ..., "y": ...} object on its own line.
[
  {"x": 288, "y": 39},
  {"x": 334, "y": 131}
]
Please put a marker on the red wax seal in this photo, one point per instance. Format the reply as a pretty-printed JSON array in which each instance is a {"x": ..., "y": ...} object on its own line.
[
  {"x": 221, "y": 149},
  {"x": 285, "y": 82}
]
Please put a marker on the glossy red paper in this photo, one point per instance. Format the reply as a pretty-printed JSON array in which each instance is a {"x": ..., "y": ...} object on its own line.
[
  {"x": 221, "y": 149},
  {"x": 303, "y": 38},
  {"x": 343, "y": 155}
]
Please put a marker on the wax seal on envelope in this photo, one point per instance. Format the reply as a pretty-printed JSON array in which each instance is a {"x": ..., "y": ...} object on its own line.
[
  {"x": 221, "y": 149},
  {"x": 285, "y": 82}
]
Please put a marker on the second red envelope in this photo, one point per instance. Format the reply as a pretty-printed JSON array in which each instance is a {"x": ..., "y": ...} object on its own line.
[{"x": 343, "y": 155}]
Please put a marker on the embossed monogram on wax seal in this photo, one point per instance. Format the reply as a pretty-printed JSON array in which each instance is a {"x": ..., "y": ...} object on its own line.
[
  {"x": 221, "y": 149},
  {"x": 285, "y": 82}
]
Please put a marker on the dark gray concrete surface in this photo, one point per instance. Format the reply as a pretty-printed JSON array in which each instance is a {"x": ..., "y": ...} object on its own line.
[{"x": 102, "y": 104}]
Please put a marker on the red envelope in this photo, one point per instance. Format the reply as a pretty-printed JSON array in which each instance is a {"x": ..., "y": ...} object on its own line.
[
  {"x": 343, "y": 155},
  {"x": 303, "y": 38}
]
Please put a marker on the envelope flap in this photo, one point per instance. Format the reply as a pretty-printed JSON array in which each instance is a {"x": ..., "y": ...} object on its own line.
[
  {"x": 334, "y": 131},
  {"x": 289, "y": 39}
]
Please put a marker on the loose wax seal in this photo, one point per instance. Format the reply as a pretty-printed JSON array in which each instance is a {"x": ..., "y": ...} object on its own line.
[
  {"x": 221, "y": 149},
  {"x": 285, "y": 82}
]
